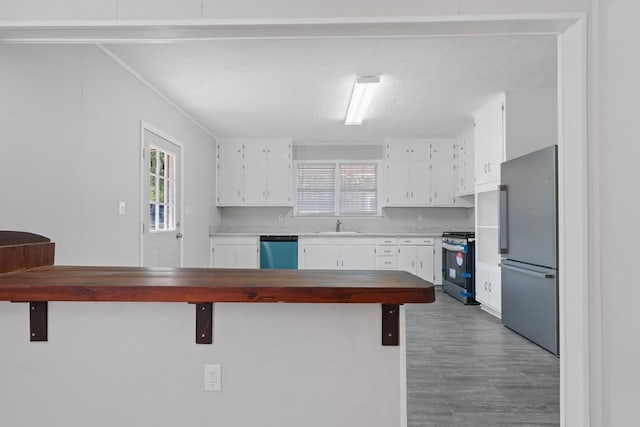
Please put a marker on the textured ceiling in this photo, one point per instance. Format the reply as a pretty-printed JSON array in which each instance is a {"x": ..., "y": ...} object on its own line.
[{"x": 430, "y": 86}]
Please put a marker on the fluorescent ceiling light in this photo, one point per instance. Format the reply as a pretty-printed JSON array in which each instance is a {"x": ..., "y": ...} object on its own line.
[{"x": 363, "y": 91}]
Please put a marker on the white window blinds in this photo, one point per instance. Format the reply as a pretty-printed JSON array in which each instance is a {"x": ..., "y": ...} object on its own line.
[
  {"x": 316, "y": 188},
  {"x": 332, "y": 188},
  {"x": 358, "y": 188}
]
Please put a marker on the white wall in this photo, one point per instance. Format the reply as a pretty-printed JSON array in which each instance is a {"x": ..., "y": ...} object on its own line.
[
  {"x": 531, "y": 121},
  {"x": 137, "y": 365},
  {"x": 615, "y": 209},
  {"x": 70, "y": 148}
]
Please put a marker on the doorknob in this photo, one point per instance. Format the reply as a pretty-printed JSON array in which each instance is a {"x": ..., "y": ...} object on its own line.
[{"x": 178, "y": 235}]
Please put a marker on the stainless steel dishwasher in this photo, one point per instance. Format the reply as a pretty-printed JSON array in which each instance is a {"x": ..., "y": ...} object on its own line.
[{"x": 279, "y": 252}]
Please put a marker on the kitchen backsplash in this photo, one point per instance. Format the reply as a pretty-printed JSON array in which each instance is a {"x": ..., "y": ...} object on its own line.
[{"x": 394, "y": 220}]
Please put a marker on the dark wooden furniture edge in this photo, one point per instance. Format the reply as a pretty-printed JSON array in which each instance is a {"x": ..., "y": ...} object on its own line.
[{"x": 21, "y": 251}]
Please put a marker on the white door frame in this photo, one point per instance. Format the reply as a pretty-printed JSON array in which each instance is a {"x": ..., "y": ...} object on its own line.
[
  {"x": 580, "y": 284},
  {"x": 144, "y": 126}
]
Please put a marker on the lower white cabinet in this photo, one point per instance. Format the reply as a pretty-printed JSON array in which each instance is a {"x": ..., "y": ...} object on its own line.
[
  {"x": 416, "y": 256},
  {"x": 235, "y": 252},
  {"x": 489, "y": 288},
  {"x": 336, "y": 253}
]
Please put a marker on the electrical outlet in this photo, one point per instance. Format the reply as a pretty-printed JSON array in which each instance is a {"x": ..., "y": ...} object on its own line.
[
  {"x": 420, "y": 218},
  {"x": 280, "y": 217},
  {"x": 212, "y": 377}
]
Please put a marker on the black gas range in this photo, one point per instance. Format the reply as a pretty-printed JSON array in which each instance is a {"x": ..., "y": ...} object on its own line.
[{"x": 458, "y": 265}]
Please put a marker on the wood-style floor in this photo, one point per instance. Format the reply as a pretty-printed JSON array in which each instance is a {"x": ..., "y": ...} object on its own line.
[{"x": 464, "y": 368}]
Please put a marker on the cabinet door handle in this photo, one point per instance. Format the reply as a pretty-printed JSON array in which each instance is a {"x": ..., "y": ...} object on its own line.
[
  {"x": 413, "y": 264},
  {"x": 412, "y": 194},
  {"x": 485, "y": 285},
  {"x": 420, "y": 264},
  {"x": 337, "y": 263}
]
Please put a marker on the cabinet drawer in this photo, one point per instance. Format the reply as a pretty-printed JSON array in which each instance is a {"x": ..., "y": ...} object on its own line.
[
  {"x": 386, "y": 262},
  {"x": 386, "y": 241},
  {"x": 228, "y": 240},
  {"x": 416, "y": 241},
  {"x": 386, "y": 250}
]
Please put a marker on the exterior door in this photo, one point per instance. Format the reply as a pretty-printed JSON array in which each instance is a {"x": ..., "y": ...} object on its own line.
[{"x": 162, "y": 179}]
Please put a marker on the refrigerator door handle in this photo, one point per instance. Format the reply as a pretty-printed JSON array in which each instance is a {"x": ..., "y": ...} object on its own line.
[
  {"x": 502, "y": 219},
  {"x": 529, "y": 272}
]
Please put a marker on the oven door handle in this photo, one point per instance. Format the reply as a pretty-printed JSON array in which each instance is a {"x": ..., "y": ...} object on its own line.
[{"x": 454, "y": 248}]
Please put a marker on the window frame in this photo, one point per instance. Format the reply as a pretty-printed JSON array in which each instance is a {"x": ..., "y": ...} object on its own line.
[
  {"x": 172, "y": 224},
  {"x": 337, "y": 183}
]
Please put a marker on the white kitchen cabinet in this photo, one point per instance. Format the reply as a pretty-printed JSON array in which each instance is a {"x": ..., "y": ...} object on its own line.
[
  {"x": 386, "y": 253},
  {"x": 464, "y": 166},
  {"x": 230, "y": 173},
  {"x": 419, "y": 173},
  {"x": 489, "y": 141},
  {"x": 416, "y": 256},
  {"x": 407, "y": 173},
  {"x": 235, "y": 252},
  {"x": 336, "y": 253},
  {"x": 268, "y": 173},
  {"x": 487, "y": 255},
  {"x": 254, "y": 172},
  {"x": 320, "y": 257},
  {"x": 488, "y": 288},
  {"x": 442, "y": 173}
]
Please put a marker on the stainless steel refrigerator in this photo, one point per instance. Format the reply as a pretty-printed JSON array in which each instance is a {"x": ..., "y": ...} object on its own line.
[{"x": 529, "y": 246}]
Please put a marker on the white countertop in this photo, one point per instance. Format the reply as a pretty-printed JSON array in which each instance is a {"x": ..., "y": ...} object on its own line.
[{"x": 346, "y": 233}]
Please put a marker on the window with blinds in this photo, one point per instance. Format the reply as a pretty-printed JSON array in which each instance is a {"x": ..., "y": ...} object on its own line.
[
  {"x": 358, "y": 188},
  {"x": 316, "y": 186},
  {"x": 337, "y": 188}
]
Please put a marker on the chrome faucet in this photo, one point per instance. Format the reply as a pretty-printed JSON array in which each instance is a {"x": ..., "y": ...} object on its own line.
[{"x": 338, "y": 224}]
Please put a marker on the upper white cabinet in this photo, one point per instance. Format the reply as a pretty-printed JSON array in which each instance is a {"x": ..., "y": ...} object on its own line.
[
  {"x": 442, "y": 173},
  {"x": 419, "y": 173},
  {"x": 230, "y": 173},
  {"x": 463, "y": 166},
  {"x": 489, "y": 141},
  {"x": 407, "y": 173},
  {"x": 254, "y": 172}
]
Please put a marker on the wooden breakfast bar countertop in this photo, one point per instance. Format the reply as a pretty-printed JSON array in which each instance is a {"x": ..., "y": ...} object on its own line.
[
  {"x": 27, "y": 274},
  {"x": 70, "y": 283}
]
